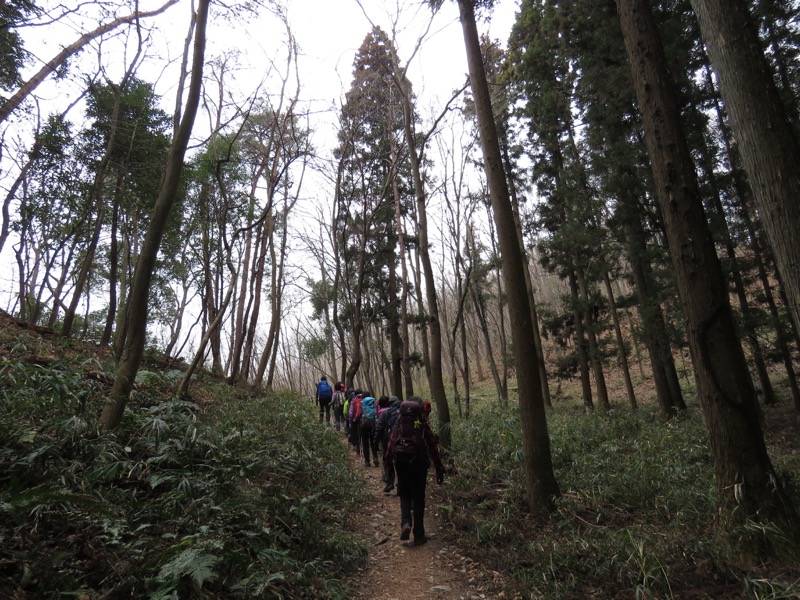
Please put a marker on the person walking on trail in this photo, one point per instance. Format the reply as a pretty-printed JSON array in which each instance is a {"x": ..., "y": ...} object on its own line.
[
  {"x": 412, "y": 447},
  {"x": 383, "y": 428},
  {"x": 323, "y": 398},
  {"x": 366, "y": 429},
  {"x": 348, "y": 398},
  {"x": 354, "y": 418},
  {"x": 337, "y": 405}
]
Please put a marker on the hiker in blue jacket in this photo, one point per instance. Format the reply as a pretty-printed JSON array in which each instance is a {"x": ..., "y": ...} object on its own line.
[{"x": 322, "y": 398}]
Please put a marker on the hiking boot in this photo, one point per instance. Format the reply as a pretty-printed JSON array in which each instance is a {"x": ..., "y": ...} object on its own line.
[
  {"x": 388, "y": 489},
  {"x": 419, "y": 540},
  {"x": 405, "y": 533}
]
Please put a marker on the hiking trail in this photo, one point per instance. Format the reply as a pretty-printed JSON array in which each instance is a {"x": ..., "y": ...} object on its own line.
[{"x": 396, "y": 570}]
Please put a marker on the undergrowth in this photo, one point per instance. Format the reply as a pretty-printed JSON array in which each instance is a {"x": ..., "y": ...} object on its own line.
[
  {"x": 244, "y": 497},
  {"x": 635, "y": 518}
]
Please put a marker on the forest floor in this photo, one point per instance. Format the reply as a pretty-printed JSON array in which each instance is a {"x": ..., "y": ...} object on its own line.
[{"x": 397, "y": 570}]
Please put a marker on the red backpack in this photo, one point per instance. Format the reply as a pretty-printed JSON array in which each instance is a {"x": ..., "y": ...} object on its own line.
[{"x": 356, "y": 404}]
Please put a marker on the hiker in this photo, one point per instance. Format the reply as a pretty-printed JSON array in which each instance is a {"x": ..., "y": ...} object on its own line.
[
  {"x": 323, "y": 398},
  {"x": 383, "y": 427},
  {"x": 366, "y": 427},
  {"x": 354, "y": 417},
  {"x": 337, "y": 405},
  {"x": 412, "y": 447},
  {"x": 348, "y": 397}
]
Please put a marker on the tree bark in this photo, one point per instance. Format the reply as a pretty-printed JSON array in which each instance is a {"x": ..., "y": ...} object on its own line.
[
  {"x": 540, "y": 481},
  {"x": 747, "y": 485},
  {"x": 767, "y": 140},
  {"x": 137, "y": 319}
]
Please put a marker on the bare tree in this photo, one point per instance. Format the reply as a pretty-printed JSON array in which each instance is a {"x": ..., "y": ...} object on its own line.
[
  {"x": 13, "y": 102},
  {"x": 137, "y": 316}
]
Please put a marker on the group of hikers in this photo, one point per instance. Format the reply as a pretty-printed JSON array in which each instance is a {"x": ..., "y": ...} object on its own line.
[{"x": 399, "y": 432}]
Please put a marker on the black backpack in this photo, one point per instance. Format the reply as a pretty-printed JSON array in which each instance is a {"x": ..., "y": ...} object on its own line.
[{"x": 407, "y": 441}]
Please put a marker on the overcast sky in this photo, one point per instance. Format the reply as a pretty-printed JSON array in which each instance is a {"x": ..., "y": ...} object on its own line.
[{"x": 328, "y": 33}]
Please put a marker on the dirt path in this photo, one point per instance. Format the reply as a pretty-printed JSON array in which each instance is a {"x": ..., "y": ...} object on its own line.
[{"x": 397, "y": 570}]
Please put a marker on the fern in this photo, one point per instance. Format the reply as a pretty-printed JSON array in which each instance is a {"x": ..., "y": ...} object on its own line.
[{"x": 192, "y": 563}]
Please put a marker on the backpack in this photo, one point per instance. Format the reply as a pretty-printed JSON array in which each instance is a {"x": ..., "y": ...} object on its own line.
[
  {"x": 355, "y": 407},
  {"x": 391, "y": 419},
  {"x": 407, "y": 441},
  {"x": 324, "y": 391},
  {"x": 338, "y": 400},
  {"x": 368, "y": 412}
]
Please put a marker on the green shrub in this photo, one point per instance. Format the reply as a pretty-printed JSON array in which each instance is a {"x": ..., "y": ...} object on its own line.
[
  {"x": 636, "y": 512},
  {"x": 245, "y": 499}
]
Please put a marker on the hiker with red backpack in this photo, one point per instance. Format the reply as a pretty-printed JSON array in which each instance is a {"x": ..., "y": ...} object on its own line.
[
  {"x": 412, "y": 447},
  {"x": 354, "y": 418},
  {"x": 322, "y": 398}
]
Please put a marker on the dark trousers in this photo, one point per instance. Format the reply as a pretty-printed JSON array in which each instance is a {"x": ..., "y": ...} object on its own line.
[
  {"x": 388, "y": 465},
  {"x": 411, "y": 481},
  {"x": 355, "y": 440},
  {"x": 368, "y": 445},
  {"x": 325, "y": 411}
]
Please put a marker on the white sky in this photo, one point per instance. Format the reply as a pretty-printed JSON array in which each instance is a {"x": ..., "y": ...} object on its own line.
[
  {"x": 331, "y": 31},
  {"x": 328, "y": 33}
]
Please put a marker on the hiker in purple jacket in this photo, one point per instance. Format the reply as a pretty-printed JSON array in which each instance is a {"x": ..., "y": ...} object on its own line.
[{"x": 412, "y": 447}]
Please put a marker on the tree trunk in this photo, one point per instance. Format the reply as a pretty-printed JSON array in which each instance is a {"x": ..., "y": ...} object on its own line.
[
  {"x": 767, "y": 140},
  {"x": 113, "y": 259},
  {"x": 436, "y": 379},
  {"x": 595, "y": 358},
  {"x": 622, "y": 352},
  {"x": 537, "y": 338},
  {"x": 501, "y": 386},
  {"x": 651, "y": 317},
  {"x": 580, "y": 343},
  {"x": 137, "y": 321},
  {"x": 540, "y": 481},
  {"x": 743, "y": 195},
  {"x": 243, "y": 301},
  {"x": 747, "y": 485}
]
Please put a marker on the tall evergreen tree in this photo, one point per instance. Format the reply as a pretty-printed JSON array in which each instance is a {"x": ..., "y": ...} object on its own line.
[
  {"x": 767, "y": 140},
  {"x": 372, "y": 130},
  {"x": 747, "y": 485}
]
